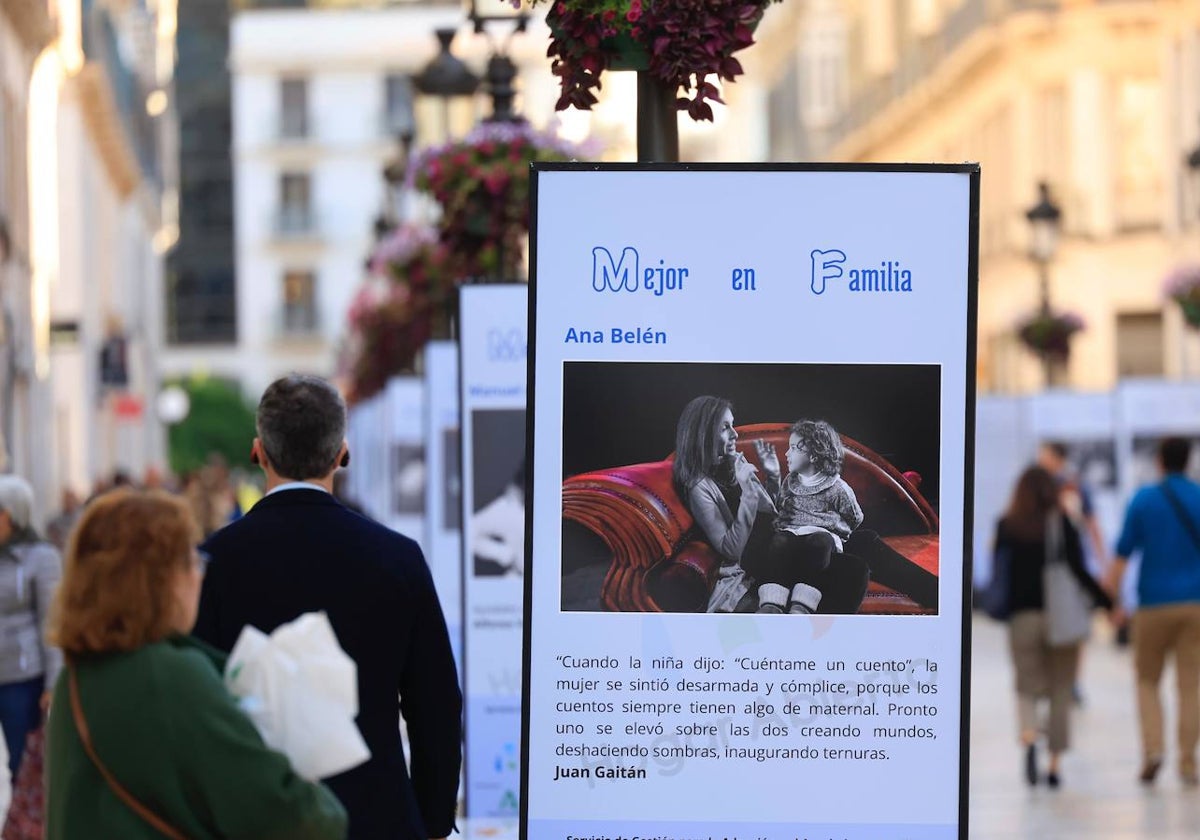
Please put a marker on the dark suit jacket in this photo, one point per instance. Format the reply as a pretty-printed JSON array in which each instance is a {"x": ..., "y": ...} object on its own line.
[{"x": 300, "y": 551}]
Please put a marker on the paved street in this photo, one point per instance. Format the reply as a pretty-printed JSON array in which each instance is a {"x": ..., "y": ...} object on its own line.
[{"x": 1100, "y": 797}]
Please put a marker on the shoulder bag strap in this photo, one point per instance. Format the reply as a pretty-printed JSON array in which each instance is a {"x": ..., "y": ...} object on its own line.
[
  {"x": 1182, "y": 513},
  {"x": 125, "y": 796},
  {"x": 1054, "y": 537}
]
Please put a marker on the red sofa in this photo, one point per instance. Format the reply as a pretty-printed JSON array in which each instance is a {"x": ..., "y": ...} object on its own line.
[{"x": 660, "y": 562}]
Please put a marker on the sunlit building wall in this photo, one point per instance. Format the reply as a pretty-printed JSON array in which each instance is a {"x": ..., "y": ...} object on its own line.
[
  {"x": 1099, "y": 99},
  {"x": 104, "y": 300},
  {"x": 27, "y": 28}
]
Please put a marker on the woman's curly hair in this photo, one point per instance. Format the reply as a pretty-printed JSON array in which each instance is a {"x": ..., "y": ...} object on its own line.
[{"x": 823, "y": 444}]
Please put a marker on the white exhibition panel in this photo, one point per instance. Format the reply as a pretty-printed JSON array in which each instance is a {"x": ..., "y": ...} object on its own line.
[
  {"x": 795, "y": 292},
  {"x": 368, "y": 462},
  {"x": 492, "y": 343},
  {"x": 443, "y": 485},
  {"x": 1004, "y": 445},
  {"x": 404, "y": 458}
]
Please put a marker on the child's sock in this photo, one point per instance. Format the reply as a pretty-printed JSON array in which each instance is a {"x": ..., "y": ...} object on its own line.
[
  {"x": 772, "y": 598},
  {"x": 805, "y": 599}
]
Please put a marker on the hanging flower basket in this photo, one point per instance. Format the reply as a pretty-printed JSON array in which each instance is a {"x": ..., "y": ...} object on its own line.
[
  {"x": 399, "y": 308},
  {"x": 682, "y": 43},
  {"x": 482, "y": 185},
  {"x": 1183, "y": 286},
  {"x": 1048, "y": 334}
]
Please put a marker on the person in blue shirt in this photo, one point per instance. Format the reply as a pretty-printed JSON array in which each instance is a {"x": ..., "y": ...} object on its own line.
[{"x": 1163, "y": 523}]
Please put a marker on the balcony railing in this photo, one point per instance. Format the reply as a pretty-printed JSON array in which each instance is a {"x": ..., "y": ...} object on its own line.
[
  {"x": 298, "y": 321},
  {"x": 99, "y": 38},
  {"x": 295, "y": 223},
  {"x": 294, "y": 128},
  {"x": 920, "y": 58}
]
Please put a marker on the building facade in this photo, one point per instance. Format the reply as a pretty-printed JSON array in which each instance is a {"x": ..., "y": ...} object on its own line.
[
  {"x": 27, "y": 29},
  {"x": 322, "y": 99},
  {"x": 83, "y": 191},
  {"x": 1100, "y": 100},
  {"x": 201, "y": 293}
]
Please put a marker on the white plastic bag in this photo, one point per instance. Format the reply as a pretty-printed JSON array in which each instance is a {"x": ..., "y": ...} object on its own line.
[{"x": 301, "y": 691}]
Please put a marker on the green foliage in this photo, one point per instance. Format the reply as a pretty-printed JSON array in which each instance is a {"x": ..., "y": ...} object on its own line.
[{"x": 220, "y": 421}]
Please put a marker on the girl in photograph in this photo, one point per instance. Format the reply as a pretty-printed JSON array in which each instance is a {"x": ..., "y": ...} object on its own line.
[
  {"x": 817, "y": 512},
  {"x": 724, "y": 495}
]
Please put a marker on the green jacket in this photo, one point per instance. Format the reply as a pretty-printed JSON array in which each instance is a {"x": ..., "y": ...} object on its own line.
[{"x": 169, "y": 732}]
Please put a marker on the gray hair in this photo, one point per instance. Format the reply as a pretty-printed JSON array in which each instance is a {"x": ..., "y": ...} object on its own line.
[
  {"x": 301, "y": 424},
  {"x": 16, "y": 498}
]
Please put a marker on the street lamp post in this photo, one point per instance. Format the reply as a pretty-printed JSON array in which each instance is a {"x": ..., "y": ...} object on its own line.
[
  {"x": 501, "y": 72},
  {"x": 446, "y": 77},
  {"x": 1045, "y": 220},
  {"x": 1193, "y": 164}
]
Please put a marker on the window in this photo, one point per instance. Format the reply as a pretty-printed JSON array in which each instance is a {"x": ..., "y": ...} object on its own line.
[
  {"x": 293, "y": 102},
  {"x": 1139, "y": 161},
  {"x": 295, "y": 208},
  {"x": 299, "y": 302},
  {"x": 824, "y": 48},
  {"x": 880, "y": 38},
  {"x": 924, "y": 16},
  {"x": 398, "y": 106},
  {"x": 1140, "y": 344}
]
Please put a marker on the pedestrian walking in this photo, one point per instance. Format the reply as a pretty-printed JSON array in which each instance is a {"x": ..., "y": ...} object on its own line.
[
  {"x": 1050, "y": 595},
  {"x": 30, "y": 569},
  {"x": 1162, "y": 522},
  {"x": 300, "y": 550}
]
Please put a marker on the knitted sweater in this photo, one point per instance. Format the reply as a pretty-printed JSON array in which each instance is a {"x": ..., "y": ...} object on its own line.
[{"x": 829, "y": 504}]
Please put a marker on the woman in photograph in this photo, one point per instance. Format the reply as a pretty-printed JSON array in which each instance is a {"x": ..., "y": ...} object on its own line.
[
  {"x": 721, "y": 490},
  {"x": 1043, "y": 670}
]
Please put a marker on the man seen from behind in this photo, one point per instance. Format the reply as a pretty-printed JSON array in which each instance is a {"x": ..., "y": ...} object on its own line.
[
  {"x": 1163, "y": 523},
  {"x": 298, "y": 550}
]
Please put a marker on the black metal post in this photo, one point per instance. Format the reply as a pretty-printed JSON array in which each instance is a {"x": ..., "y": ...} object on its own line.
[
  {"x": 501, "y": 73},
  {"x": 1044, "y": 289},
  {"x": 657, "y": 121}
]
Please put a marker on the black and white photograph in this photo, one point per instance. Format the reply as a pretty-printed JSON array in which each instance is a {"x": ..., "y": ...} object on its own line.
[
  {"x": 1091, "y": 462},
  {"x": 784, "y": 489},
  {"x": 496, "y": 533},
  {"x": 408, "y": 478},
  {"x": 451, "y": 479},
  {"x": 1145, "y": 458}
]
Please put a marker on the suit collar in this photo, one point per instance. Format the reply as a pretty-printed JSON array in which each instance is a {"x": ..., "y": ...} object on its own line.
[{"x": 297, "y": 497}]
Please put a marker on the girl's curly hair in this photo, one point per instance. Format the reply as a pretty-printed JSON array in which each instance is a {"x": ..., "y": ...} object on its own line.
[{"x": 823, "y": 444}]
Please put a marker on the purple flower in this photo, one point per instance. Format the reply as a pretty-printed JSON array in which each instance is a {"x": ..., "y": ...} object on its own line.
[
  {"x": 1182, "y": 282},
  {"x": 401, "y": 245},
  {"x": 546, "y": 141}
]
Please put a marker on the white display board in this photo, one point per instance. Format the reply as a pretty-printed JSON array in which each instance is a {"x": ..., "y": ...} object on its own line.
[
  {"x": 367, "y": 436},
  {"x": 404, "y": 458},
  {"x": 493, "y": 400},
  {"x": 1004, "y": 445},
  {"x": 682, "y": 316},
  {"x": 443, "y": 485}
]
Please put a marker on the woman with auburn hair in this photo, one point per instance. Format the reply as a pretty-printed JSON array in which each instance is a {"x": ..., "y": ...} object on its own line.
[
  {"x": 1034, "y": 529},
  {"x": 145, "y": 741}
]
